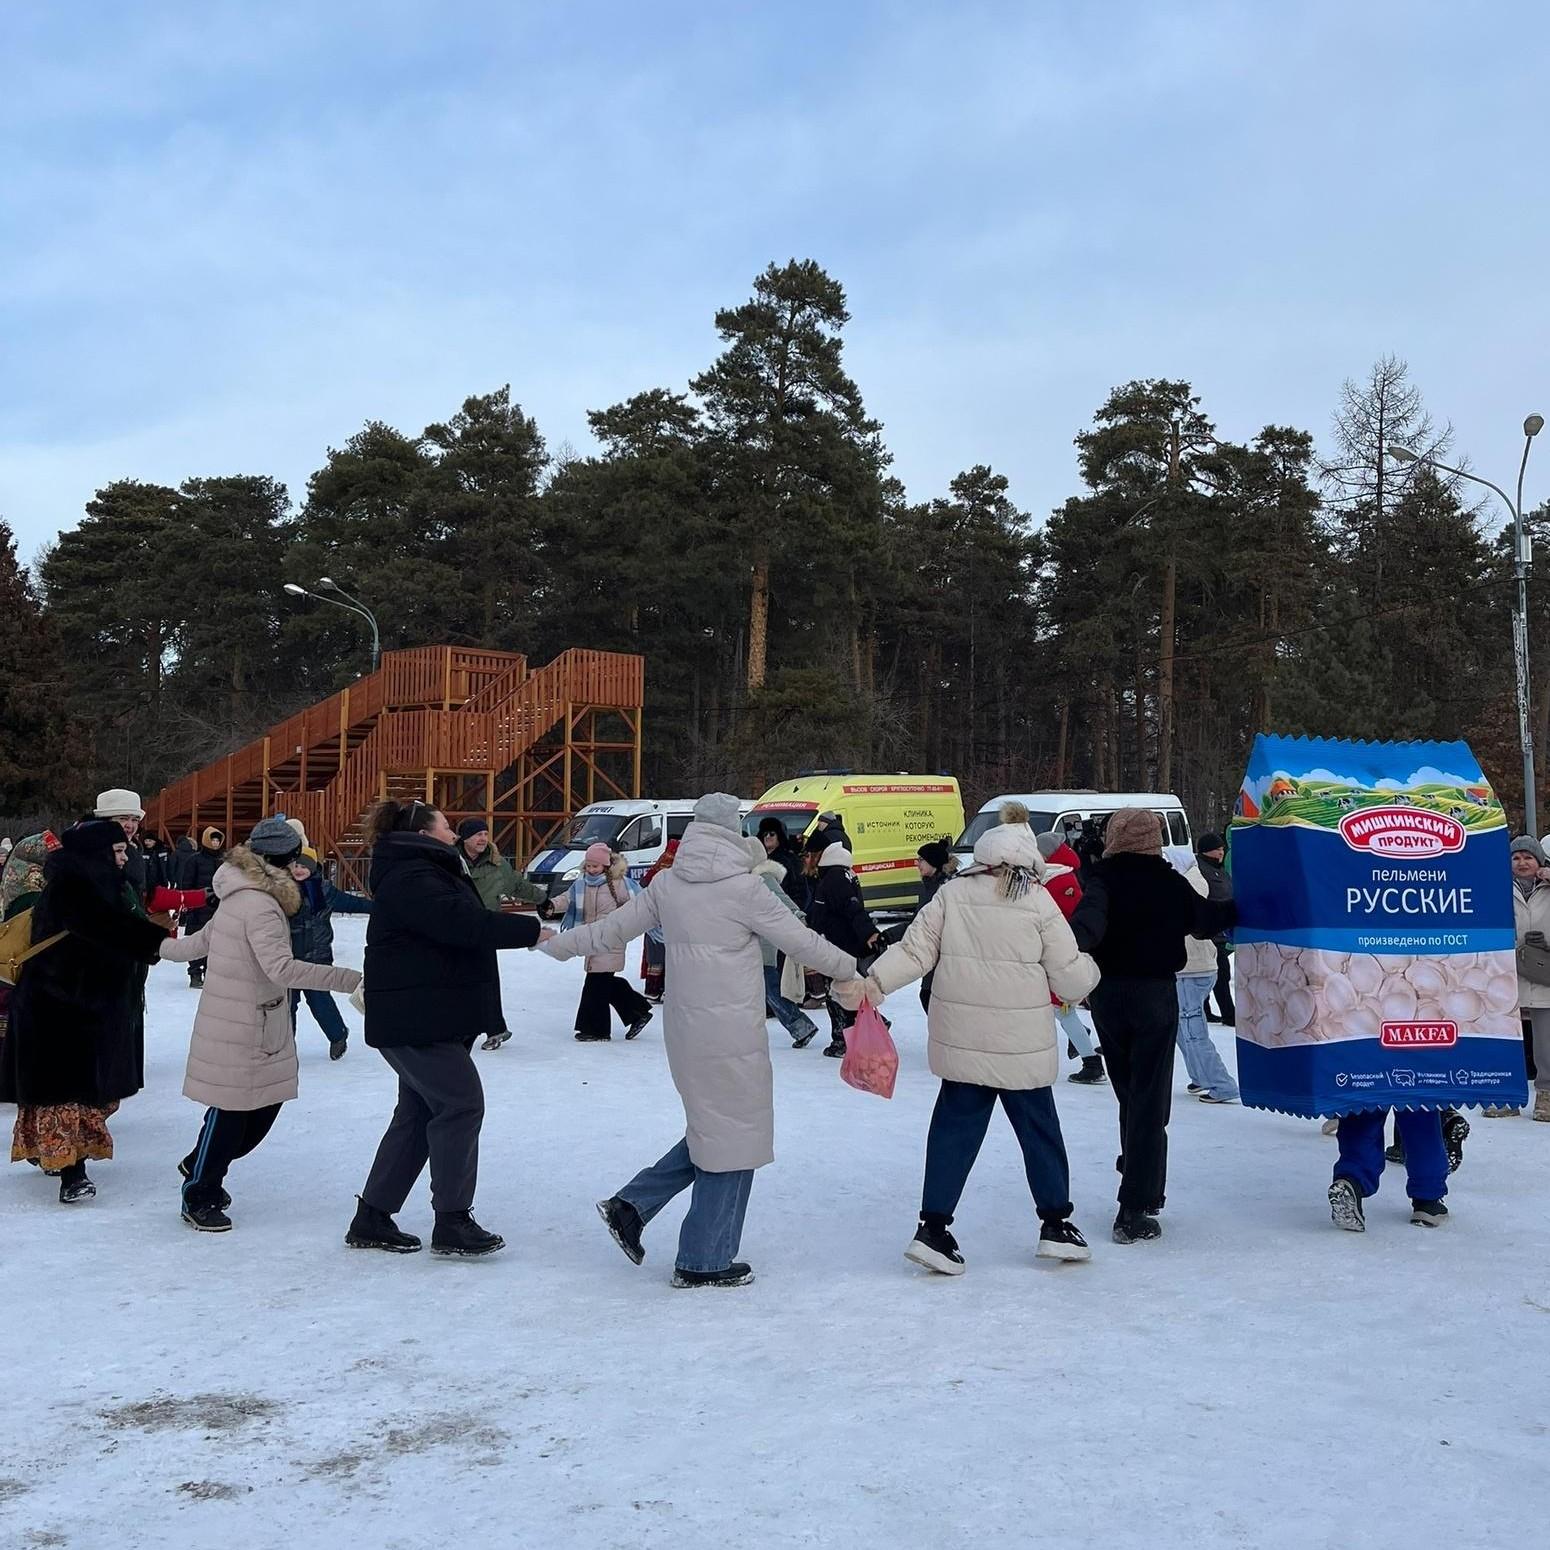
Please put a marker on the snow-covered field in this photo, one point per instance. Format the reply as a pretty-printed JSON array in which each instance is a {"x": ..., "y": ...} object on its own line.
[{"x": 1256, "y": 1378}]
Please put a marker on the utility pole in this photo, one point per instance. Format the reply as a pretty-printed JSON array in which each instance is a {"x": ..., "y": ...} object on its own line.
[{"x": 1165, "y": 627}]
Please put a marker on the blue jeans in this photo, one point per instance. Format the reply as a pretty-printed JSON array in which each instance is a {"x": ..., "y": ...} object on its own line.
[
  {"x": 793, "y": 1019},
  {"x": 1075, "y": 1029},
  {"x": 958, "y": 1125},
  {"x": 1426, "y": 1158},
  {"x": 1201, "y": 1057},
  {"x": 321, "y": 1004},
  {"x": 713, "y": 1226}
]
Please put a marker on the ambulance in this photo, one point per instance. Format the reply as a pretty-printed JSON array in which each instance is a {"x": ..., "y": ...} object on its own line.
[
  {"x": 888, "y": 818},
  {"x": 638, "y": 829}
]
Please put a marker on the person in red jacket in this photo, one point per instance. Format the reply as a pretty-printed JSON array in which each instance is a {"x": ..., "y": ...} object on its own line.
[{"x": 1063, "y": 884}]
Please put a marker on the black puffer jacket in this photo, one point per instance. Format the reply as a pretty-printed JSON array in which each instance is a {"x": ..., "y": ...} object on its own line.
[
  {"x": 75, "y": 1016},
  {"x": 197, "y": 869},
  {"x": 431, "y": 974},
  {"x": 1135, "y": 913},
  {"x": 838, "y": 913}
]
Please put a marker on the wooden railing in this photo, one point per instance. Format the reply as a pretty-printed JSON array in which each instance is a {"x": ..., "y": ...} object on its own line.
[{"x": 440, "y": 708}]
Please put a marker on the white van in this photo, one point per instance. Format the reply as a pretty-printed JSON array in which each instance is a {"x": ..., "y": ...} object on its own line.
[
  {"x": 1067, "y": 811},
  {"x": 638, "y": 829}
]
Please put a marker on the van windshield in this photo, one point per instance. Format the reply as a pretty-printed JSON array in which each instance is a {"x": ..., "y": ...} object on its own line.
[
  {"x": 1040, "y": 823},
  {"x": 796, "y": 820},
  {"x": 595, "y": 829}
]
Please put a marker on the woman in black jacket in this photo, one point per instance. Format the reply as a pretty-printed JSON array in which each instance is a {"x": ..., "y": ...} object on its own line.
[
  {"x": 72, "y": 1052},
  {"x": 839, "y": 915},
  {"x": 1135, "y": 912},
  {"x": 430, "y": 977}
]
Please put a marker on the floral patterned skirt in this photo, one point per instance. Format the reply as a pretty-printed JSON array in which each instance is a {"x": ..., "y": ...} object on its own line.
[{"x": 57, "y": 1134}]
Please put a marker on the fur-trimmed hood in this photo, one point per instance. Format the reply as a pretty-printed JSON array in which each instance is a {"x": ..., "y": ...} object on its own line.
[
  {"x": 771, "y": 869},
  {"x": 244, "y": 868}
]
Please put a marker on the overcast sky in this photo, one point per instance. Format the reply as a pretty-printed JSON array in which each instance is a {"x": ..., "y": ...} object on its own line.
[{"x": 232, "y": 233}]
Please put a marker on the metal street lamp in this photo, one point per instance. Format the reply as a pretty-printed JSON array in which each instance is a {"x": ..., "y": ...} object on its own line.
[
  {"x": 351, "y": 604},
  {"x": 1522, "y": 558}
]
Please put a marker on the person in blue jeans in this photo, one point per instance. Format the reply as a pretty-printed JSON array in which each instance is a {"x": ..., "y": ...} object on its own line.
[
  {"x": 312, "y": 941},
  {"x": 1209, "y": 1079},
  {"x": 1360, "y": 1166},
  {"x": 792, "y": 1018}
]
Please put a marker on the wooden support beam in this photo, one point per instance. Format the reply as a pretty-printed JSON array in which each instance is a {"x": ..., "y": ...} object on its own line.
[{"x": 263, "y": 798}]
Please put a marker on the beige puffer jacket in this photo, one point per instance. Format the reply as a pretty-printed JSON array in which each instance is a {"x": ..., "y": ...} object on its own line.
[
  {"x": 997, "y": 958},
  {"x": 713, "y": 912},
  {"x": 243, "y": 1053},
  {"x": 1199, "y": 952},
  {"x": 1532, "y": 914}
]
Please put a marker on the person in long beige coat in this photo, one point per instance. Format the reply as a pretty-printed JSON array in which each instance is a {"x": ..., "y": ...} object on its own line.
[
  {"x": 1531, "y": 915},
  {"x": 999, "y": 945},
  {"x": 242, "y": 1058},
  {"x": 713, "y": 912}
]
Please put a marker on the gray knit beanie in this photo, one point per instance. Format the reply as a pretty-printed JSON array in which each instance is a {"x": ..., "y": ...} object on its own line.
[
  {"x": 274, "y": 839},
  {"x": 721, "y": 810}
]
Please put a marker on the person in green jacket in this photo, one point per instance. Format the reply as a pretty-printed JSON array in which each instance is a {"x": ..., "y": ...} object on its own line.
[{"x": 496, "y": 880}]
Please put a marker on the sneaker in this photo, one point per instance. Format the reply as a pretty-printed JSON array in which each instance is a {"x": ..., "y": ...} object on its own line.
[
  {"x": 1194, "y": 1089},
  {"x": 1061, "y": 1240},
  {"x": 374, "y": 1229},
  {"x": 736, "y": 1274},
  {"x": 625, "y": 1224},
  {"x": 337, "y": 1047},
  {"x": 1542, "y": 1105},
  {"x": 1211, "y": 1097},
  {"x": 934, "y": 1248},
  {"x": 1499, "y": 1111},
  {"x": 1394, "y": 1152},
  {"x": 1132, "y": 1226},
  {"x": 806, "y": 1037},
  {"x": 495, "y": 1040},
  {"x": 1428, "y": 1213},
  {"x": 183, "y": 1168},
  {"x": 1091, "y": 1074},
  {"x": 836, "y": 1048},
  {"x": 74, "y": 1186},
  {"x": 1455, "y": 1130},
  {"x": 1345, "y": 1206},
  {"x": 593, "y": 1038},
  {"x": 458, "y": 1236},
  {"x": 208, "y": 1217},
  {"x": 636, "y": 1028}
]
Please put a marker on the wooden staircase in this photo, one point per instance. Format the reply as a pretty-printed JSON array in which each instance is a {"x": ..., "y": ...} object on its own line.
[{"x": 472, "y": 731}]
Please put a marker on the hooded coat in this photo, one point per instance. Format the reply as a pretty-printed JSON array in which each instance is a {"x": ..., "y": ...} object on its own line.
[
  {"x": 998, "y": 958},
  {"x": 713, "y": 912},
  {"x": 838, "y": 912},
  {"x": 75, "y": 1015},
  {"x": 1531, "y": 914},
  {"x": 312, "y": 926},
  {"x": 243, "y": 1052},
  {"x": 431, "y": 974}
]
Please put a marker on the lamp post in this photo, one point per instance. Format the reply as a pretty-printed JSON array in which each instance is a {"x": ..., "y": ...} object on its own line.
[
  {"x": 351, "y": 604},
  {"x": 1522, "y": 558}
]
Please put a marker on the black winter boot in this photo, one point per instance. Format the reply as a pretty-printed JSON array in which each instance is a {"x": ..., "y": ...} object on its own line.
[
  {"x": 459, "y": 1236},
  {"x": 224, "y": 1199},
  {"x": 1091, "y": 1074},
  {"x": 1132, "y": 1226},
  {"x": 736, "y": 1274},
  {"x": 74, "y": 1186},
  {"x": 625, "y": 1224},
  {"x": 374, "y": 1229}
]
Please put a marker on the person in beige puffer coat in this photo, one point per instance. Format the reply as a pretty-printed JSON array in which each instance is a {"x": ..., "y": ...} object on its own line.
[
  {"x": 999, "y": 945},
  {"x": 1531, "y": 915},
  {"x": 242, "y": 1058},
  {"x": 713, "y": 912}
]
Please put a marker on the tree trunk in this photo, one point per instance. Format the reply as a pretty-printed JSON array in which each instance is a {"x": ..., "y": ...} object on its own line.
[
  {"x": 1165, "y": 675},
  {"x": 759, "y": 622},
  {"x": 1060, "y": 747}
]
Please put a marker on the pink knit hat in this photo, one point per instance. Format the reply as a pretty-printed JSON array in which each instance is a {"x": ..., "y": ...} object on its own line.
[{"x": 598, "y": 852}]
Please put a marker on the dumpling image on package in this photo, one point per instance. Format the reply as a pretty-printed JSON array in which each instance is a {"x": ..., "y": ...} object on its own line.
[{"x": 1375, "y": 947}]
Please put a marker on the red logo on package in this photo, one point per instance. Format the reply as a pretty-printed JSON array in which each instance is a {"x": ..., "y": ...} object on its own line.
[
  {"x": 1402, "y": 831},
  {"x": 1412, "y": 1035}
]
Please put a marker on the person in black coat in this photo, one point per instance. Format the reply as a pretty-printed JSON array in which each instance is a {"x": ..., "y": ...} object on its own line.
[
  {"x": 778, "y": 847},
  {"x": 156, "y": 858},
  {"x": 1135, "y": 912},
  {"x": 197, "y": 869},
  {"x": 71, "y": 1055},
  {"x": 838, "y": 913},
  {"x": 1211, "y": 855},
  {"x": 430, "y": 975}
]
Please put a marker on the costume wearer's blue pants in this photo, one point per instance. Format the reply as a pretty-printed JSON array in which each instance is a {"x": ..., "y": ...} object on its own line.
[{"x": 1426, "y": 1158}]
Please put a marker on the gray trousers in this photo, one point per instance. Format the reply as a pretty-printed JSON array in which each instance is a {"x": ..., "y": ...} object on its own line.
[{"x": 440, "y": 1109}]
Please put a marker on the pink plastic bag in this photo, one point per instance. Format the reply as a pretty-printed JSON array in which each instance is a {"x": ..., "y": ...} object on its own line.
[{"x": 871, "y": 1063}]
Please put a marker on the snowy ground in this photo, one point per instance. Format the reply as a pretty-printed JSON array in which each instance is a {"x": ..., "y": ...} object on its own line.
[{"x": 1256, "y": 1378}]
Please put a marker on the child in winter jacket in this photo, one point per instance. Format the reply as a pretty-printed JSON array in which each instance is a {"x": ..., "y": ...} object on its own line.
[
  {"x": 242, "y": 1058},
  {"x": 312, "y": 941},
  {"x": 603, "y": 887}
]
